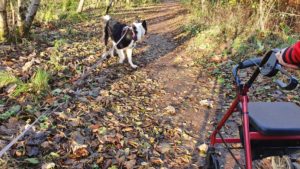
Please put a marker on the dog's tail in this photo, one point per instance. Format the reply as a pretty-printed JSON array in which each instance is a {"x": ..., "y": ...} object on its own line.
[
  {"x": 108, "y": 7},
  {"x": 106, "y": 18}
]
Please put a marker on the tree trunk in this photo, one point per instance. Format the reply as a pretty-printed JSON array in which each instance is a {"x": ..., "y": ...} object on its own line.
[
  {"x": 34, "y": 5},
  {"x": 3, "y": 21},
  {"x": 25, "y": 19},
  {"x": 202, "y": 5},
  {"x": 21, "y": 16},
  {"x": 12, "y": 13},
  {"x": 261, "y": 16},
  {"x": 97, "y": 4},
  {"x": 80, "y": 6}
]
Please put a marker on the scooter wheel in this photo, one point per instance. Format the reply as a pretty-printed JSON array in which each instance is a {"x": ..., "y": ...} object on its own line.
[
  {"x": 211, "y": 161},
  {"x": 283, "y": 162}
]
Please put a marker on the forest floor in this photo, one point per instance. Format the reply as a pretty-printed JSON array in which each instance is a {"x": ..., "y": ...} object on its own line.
[{"x": 117, "y": 117}]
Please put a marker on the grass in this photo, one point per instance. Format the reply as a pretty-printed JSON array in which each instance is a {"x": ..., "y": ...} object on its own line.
[
  {"x": 7, "y": 78},
  {"x": 37, "y": 85},
  {"x": 40, "y": 81}
]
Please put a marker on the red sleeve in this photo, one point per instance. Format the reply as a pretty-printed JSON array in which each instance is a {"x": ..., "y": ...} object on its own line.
[
  {"x": 296, "y": 53},
  {"x": 292, "y": 54}
]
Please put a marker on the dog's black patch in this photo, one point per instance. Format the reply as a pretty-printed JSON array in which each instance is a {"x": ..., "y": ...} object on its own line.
[
  {"x": 115, "y": 30},
  {"x": 145, "y": 26}
]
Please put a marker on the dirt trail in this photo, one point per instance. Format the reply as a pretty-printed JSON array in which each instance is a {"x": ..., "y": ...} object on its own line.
[
  {"x": 185, "y": 84},
  {"x": 118, "y": 118}
]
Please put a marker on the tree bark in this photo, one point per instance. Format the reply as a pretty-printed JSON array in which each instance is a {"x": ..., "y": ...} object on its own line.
[
  {"x": 12, "y": 13},
  {"x": 34, "y": 5},
  {"x": 80, "y": 6},
  {"x": 261, "y": 15},
  {"x": 202, "y": 5},
  {"x": 21, "y": 16},
  {"x": 3, "y": 21},
  {"x": 25, "y": 17}
]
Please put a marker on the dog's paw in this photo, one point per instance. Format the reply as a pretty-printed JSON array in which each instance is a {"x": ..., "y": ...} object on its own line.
[
  {"x": 121, "y": 61},
  {"x": 134, "y": 66}
]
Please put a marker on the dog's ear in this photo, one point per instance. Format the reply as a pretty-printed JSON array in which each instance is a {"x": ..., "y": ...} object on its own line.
[{"x": 145, "y": 26}]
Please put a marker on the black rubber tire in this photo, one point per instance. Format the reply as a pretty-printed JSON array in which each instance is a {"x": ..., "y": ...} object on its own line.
[{"x": 211, "y": 160}]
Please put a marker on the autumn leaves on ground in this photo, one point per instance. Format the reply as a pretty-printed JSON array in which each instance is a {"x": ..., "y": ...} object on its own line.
[
  {"x": 108, "y": 115},
  {"x": 117, "y": 116}
]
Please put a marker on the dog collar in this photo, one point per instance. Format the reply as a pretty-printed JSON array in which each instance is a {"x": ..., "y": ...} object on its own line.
[{"x": 125, "y": 30}]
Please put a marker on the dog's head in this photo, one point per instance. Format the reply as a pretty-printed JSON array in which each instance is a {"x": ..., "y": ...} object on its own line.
[{"x": 140, "y": 29}]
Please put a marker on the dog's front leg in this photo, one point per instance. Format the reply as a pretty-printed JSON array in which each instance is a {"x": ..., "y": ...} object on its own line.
[
  {"x": 121, "y": 55},
  {"x": 129, "y": 57}
]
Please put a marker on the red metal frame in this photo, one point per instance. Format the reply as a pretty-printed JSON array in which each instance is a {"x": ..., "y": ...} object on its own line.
[{"x": 248, "y": 136}]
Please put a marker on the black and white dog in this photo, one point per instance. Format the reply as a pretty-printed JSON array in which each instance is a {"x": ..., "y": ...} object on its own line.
[{"x": 124, "y": 37}]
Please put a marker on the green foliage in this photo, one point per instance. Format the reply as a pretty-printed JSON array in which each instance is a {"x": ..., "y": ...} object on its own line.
[
  {"x": 55, "y": 61},
  {"x": 69, "y": 5},
  {"x": 47, "y": 13},
  {"x": 12, "y": 111},
  {"x": 21, "y": 88},
  {"x": 59, "y": 43},
  {"x": 193, "y": 29},
  {"x": 56, "y": 55},
  {"x": 291, "y": 40},
  {"x": 7, "y": 78},
  {"x": 40, "y": 81},
  {"x": 113, "y": 167},
  {"x": 33, "y": 161},
  {"x": 234, "y": 25},
  {"x": 51, "y": 10},
  {"x": 73, "y": 16}
]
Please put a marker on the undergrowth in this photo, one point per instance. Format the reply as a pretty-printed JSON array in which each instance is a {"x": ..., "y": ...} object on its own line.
[
  {"x": 37, "y": 85},
  {"x": 231, "y": 30},
  {"x": 7, "y": 78},
  {"x": 225, "y": 34}
]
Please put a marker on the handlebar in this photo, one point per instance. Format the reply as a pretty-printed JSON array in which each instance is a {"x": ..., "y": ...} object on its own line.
[
  {"x": 243, "y": 65},
  {"x": 293, "y": 82},
  {"x": 267, "y": 66}
]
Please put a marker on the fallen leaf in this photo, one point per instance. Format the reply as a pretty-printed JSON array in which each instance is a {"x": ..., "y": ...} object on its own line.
[
  {"x": 127, "y": 129},
  {"x": 33, "y": 161},
  {"x": 164, "y": 147},
  {"x": 48, "y": 166},
  {"x": 207, "y": 103},
  {"x": 203, "y": 149},
  {"x": 129, "y": 164},
  {"x": 27, "y": 65},
  {"x": 216, "y": 59},
  {"x": 170, "y": 110},
  {"x": 95, "y": 128},
  {"x": 156, "y": 161},
  {"x": 80, "y": 152}
]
